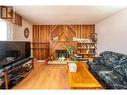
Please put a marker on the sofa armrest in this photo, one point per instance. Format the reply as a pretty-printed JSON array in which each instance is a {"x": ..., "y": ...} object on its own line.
[
  {"x": 91, "y": 63},
  {"x": 95, "y": 59}
]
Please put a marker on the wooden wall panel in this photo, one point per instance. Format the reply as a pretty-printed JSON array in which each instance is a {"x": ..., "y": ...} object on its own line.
[
  {"x": 40, "y": 44},
  {"x": 43, "y": 36},
  {"x": 84, "y": 31},
  {"x": 63, "y": 32},
  {"x": 65, "y": 35}
]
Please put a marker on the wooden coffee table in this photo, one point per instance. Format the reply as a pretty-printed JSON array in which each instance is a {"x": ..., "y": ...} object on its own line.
[{"x": 82, "y": 78}]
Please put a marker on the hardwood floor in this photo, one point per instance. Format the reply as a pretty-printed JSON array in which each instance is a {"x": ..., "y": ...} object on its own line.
[{"x": 45, "y": 77}]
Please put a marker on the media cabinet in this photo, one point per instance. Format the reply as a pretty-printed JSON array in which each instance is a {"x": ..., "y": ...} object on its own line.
[{"x": 16, "y": 73}]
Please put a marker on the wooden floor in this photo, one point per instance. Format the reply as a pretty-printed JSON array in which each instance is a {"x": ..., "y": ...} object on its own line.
[{"x": 45, "y": 77}]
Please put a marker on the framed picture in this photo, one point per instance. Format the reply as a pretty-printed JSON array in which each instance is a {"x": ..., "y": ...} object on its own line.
[
  {"x": 6, "y": 12},
  {"x": 26, "y": 32}
]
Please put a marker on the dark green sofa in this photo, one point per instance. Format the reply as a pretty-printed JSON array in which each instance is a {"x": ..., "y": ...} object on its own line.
[{"x": 111, "y": 69}]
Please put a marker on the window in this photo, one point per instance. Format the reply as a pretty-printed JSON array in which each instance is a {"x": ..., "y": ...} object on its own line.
[{"x": 3, "y": 31}]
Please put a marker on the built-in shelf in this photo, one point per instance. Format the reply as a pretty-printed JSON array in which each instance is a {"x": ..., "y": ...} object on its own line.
[
  {"x": 86, "y": 53},
  {"x": 64, "y": 41},
  {"x": 86, "y": 48},
  {"x": 86, "y": 43}
]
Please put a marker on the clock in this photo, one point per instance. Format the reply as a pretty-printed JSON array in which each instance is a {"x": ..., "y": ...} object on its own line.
[{"x": 26, "y": 32}]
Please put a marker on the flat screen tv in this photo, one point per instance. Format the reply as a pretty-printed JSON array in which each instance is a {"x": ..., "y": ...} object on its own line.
[{"x": 11, "y": 51}]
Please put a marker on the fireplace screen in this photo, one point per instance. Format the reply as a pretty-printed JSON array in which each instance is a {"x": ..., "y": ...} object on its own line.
[{"x": 61, "y": 53}]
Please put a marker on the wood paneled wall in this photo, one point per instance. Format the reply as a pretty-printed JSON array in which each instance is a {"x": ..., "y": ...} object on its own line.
[
  {"x": 40, "y": 43},
  {"x": 63, "y": 32},
  {"x": 41, "y": 33},
  {"x": 65, "y": 35},
  {"x": 43, "y": 36},
  {"x": 84, "y": 31}
]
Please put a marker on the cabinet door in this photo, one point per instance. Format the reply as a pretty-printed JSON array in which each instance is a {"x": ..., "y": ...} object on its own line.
[
  {"x": 7, "y": 13},
  {"x": 18, "y": 19}
]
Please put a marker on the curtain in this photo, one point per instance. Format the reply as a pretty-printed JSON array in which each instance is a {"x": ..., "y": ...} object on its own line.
[{"x": 10, "y": 29}]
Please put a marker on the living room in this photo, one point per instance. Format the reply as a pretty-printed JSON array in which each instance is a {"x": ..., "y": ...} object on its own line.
[{"x": 63, "y": 47}]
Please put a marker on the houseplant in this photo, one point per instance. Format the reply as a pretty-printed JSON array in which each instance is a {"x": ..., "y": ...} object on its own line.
[{"x": 70, "y": 51}]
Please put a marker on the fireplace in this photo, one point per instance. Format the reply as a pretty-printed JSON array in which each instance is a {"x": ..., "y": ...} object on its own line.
[{"x": 61, "y": 53}]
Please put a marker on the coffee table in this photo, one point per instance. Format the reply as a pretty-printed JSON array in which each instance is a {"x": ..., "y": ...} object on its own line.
[{"x": 82, "y": 78}]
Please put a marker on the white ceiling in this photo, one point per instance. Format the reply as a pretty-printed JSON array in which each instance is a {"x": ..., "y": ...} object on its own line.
[{"x": 42, "y": 15}]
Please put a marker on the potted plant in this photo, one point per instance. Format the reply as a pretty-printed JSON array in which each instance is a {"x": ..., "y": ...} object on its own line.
[{"x": 70, "y": 51}]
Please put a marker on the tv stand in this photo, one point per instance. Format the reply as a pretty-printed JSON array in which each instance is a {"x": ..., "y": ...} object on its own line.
[{"x": 17, "y": 73}]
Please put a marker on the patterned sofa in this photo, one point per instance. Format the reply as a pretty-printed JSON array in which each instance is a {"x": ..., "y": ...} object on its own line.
[{"x": 111, "y": 69}]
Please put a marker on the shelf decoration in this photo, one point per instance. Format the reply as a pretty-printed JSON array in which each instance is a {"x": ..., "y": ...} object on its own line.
[{"x": 87, "y": 47}]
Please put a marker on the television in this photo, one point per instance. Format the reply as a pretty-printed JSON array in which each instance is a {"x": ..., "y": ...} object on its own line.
[{"x": 11, "y": 51}]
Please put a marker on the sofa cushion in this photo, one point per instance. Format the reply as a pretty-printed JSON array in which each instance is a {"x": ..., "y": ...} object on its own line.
[
  {"x": 98, "y": 60},
  {"x": 121, "y": 70},
  {"x": 123, "y": 61},
  {"x": 112, "y": 79},
  {"x": 110, "y": 59},
  {"x": 97, "y": 68}
]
